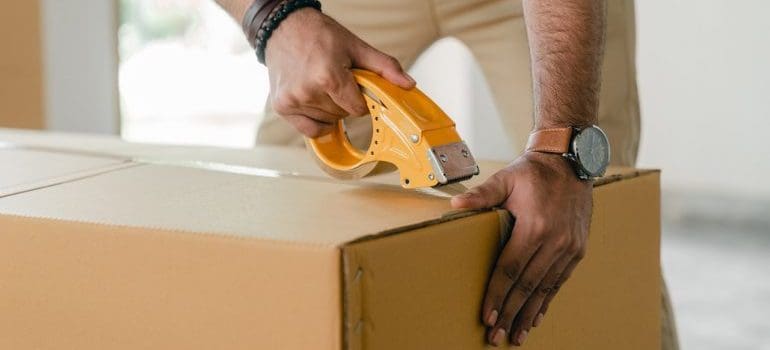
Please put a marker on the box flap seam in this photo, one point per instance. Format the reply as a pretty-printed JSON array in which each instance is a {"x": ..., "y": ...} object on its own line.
[{"x": 66, "y": 178}]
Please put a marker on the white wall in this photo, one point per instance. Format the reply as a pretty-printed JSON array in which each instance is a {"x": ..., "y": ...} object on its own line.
[
  {"x": 80, "y": 63},
  {"x": 704, "y": 78},
  {"x": 704, "y": 81},
  {"x": 448, "y": 74}
]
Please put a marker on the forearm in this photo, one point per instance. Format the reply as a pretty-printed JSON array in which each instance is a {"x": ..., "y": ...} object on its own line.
[
  {"x": 236, "y": 8},
  {"x": 566, "y": 39}
]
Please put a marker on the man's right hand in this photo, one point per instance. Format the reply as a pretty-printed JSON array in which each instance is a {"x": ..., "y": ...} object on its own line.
[{"x": 309, "y": 58}]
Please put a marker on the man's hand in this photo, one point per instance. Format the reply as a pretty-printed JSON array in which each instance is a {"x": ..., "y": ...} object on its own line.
[
  {"x": 309, "y": 58},
  {"x": 553, "y": 211}
]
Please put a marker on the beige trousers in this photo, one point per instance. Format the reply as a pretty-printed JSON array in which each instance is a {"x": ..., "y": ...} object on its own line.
[{"x": 494, "y": 32}]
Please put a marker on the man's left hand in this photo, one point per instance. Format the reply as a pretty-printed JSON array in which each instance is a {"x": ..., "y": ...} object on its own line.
[{"x": 552, "y": 208}]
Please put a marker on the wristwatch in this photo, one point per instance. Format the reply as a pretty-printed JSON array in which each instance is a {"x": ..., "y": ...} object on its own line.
[{"x": 587, "y": 149}]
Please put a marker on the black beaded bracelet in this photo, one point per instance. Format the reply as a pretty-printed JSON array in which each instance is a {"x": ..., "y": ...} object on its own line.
[
  {"x": 255, "y": 15},
  {"x": 271, "y": 23}
]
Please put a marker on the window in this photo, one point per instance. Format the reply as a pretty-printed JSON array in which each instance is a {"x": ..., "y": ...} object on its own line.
[{"x": 187, "y": 75}]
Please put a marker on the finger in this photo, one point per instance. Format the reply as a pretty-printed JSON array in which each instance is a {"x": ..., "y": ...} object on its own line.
[
  {"x": 347, "y": 95},
  {"x": 327, "y": 109},
  {"x": 303, "y": 102},
  {"x": 367, "y": 57},
  {"x": 319, "y": 114},
  {"x": 314, "y": 102},
  {"x": 514, "y": 257},
  {"x": 529, "y": 313},
  {"x": 489, "y": 194},
  {"x": 559, "y": 283},
  {"x": 524, "y": 287},
  {"x": 308, "y": 126}
]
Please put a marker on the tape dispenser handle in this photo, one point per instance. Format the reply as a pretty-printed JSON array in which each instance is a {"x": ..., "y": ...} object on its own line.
[
  {"x": 405, "y": 123},
  {"x": 335, "y": 149}
]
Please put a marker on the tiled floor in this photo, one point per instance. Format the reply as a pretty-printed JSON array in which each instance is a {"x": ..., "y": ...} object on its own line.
[{"x": 719, "y": 280}]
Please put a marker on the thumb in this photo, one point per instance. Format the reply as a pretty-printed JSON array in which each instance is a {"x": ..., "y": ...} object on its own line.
[
  {"x": 369, "y": 58},
  {"x": 491, "y": 193}
]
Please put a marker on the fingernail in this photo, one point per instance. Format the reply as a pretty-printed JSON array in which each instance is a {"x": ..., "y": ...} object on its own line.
[
  {"x": 538, "y": 319},
  {"x": 492, "y": 318},
  {"x": 522, "y": 337},
  {"x": 409, "y": 77},
  {"x": 460, "y": 198},
  {"x": 499, "y": 337}
]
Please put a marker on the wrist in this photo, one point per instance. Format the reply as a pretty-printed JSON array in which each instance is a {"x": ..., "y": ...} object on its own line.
[
  {"x": 555, "y": 167},
  {"x": 298, "y": 27},
  {"x": 264, "y": 17},
  {"x": 580, "y": 116},
  {"x": 255, "y": 15},
  {"x": 587, "y": 149},
  {"x": 543, "y": 123}
]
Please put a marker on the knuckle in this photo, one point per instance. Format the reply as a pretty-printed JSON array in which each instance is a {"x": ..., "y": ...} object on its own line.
[
  {"x": 302, "y": 96},
  {"x": 564, "y": 244},
  {"x": 328, "y": 82},
  {"x": 392, "y": 61},
  {"x": 545, "y": 290},
  {"x": 311, "y": 130},
  {"x": 576, "y": 247},
  {"x": 284, "y": 103},
  {"x": 581, "y": 253},
  {"x": 357, "y": 107},
  {"x": 540, "y": 226},
  {"x": 525, "y": 287},
  {"x": 507, "y": 318},
  {"x": 510, "y": 270},
  {"x": 361, "y": 109}
]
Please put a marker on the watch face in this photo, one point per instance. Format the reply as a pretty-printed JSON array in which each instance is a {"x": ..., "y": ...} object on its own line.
[{"x": 592, "y": 150}]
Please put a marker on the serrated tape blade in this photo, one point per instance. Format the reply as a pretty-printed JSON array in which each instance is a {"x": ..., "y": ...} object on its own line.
[{"x": 446, "y": 191}]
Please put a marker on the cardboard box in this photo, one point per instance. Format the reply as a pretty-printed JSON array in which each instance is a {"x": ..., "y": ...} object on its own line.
[
  {"x": 175, "y": 254},
  {"x": 22, "y": 99},
  {"x": 25, "y": 169}
]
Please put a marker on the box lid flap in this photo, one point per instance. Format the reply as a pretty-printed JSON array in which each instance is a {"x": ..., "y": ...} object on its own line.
[
  {"x": 26, "y": 169},
  {"x": 195, "y": 200},
  {"x": 285, "y": 160},
  {"x": 267, "y": 193}
]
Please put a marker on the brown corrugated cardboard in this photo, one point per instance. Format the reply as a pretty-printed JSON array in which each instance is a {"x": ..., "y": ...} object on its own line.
[
  {"x": 28, "y": 169},
  {"x": 282, "y": 160},
  {"x": 266, "y": 157},
  {"x": 166, "y": 256},
  {"x": 21, "y": 65}
]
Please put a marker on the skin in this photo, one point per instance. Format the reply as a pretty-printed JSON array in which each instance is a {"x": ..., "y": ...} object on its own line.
[
  {"x": 551, "y": 206},
  {"x": 309, "y": 58}
]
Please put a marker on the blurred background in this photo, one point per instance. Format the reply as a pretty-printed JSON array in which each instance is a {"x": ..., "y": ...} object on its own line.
[{"x": 180, "y": 71}]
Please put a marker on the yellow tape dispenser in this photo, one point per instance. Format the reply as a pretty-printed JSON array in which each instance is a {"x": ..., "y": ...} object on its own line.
[{"x": 409, "y": 131}]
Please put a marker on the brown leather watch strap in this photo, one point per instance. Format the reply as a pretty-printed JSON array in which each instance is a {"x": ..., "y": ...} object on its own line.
[{"x": 550, "y": 140}]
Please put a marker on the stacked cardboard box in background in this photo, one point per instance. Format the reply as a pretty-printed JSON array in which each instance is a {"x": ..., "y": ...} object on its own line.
[
  {"x": 108, "y": 245},
  {"x": 21, "y": 65}
]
